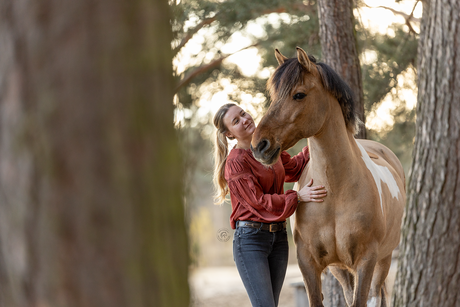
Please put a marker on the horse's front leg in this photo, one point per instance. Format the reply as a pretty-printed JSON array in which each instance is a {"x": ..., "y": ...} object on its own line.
[
  {"x": 363, "y": 276},
  {"x": 311, "y": 273}
]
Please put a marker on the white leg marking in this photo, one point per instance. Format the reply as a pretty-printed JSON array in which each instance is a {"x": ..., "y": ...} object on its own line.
[{"x": 373, "y": 302}]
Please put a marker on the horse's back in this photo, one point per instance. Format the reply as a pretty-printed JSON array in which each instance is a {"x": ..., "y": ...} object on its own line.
[{"x": 377, "y": 150}]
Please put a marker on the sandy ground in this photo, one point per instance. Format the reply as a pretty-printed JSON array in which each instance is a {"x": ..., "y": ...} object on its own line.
[{"x": 222, "y": 287}]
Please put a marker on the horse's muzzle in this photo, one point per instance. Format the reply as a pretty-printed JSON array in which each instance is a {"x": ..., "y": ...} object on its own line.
[{"x": 263, "y": 154}]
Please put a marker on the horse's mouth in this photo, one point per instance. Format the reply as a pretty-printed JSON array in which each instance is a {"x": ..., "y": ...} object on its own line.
[{"x": 268, "y": 158}]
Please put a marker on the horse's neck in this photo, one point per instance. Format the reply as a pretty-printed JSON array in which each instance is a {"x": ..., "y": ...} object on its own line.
[{"x": 333, "y": 152}]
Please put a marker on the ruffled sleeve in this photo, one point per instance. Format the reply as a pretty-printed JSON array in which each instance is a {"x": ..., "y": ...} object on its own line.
[
  {"x": 244, "y": 186},
  {"x": 293, "y": 166}
]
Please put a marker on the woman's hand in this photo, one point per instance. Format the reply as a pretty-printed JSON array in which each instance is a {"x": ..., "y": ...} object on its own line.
[{"x": 314, "y": 194}]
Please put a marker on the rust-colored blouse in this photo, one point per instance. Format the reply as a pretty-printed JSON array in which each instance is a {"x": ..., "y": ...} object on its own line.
[{"x": 256, "y": 191}]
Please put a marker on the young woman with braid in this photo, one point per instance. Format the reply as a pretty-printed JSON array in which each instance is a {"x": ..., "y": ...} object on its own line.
[{"x": 259, "y": 205}]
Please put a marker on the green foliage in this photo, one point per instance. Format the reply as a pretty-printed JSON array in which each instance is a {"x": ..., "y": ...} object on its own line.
[
  {"x": 393, "y": 54},
  {"x": 231, "y": 16},
  {"x": 298, "y": 26}
]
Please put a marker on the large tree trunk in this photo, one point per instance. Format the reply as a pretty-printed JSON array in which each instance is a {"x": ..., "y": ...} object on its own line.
[
  {"x": 428, "y": 270},
  {"x": 339, "y": 48},
  {"x": 91, "y": 209}
]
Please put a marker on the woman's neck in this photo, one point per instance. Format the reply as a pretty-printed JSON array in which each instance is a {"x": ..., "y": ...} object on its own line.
[{"x": 244, "y": 144}]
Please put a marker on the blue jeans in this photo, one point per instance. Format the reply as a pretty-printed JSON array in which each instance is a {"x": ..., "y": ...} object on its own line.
[{"x": 261, "y": 258}]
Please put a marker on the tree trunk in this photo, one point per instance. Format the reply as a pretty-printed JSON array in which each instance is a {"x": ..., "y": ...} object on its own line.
[
  {"x": 339, "y": 48},
  {"x": 428, "y": 269},
  {"x": 332, "y": 291},
  {"x": 91, "y": 210}
]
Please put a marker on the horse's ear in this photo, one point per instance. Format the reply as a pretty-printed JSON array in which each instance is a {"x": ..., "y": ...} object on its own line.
[
  {"x": 279, "y": 57},
  {"x": 303, "y": 59}
]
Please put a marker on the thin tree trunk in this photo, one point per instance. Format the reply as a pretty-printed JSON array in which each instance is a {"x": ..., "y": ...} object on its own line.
[
  {"x": 339, "y": 48},
  {"x": 428, "y": 270},
  {"x": 91, "y": 210},
  {"x": 332, "y": 291}
]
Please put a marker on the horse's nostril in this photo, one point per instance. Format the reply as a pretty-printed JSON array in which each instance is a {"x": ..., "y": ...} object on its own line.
[{"x": 263, "y": 146}]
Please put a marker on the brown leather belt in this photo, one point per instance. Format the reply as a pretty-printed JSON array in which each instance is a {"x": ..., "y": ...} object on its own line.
[{"x": 273, "y": 227}]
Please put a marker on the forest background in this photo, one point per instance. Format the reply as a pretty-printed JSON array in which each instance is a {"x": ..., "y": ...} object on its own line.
[
  {"x": 224, "y": 52},
  {"x": 91, "y": 173}
]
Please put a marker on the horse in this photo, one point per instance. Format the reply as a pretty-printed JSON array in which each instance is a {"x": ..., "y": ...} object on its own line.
[{"x": 357, "y": 227}]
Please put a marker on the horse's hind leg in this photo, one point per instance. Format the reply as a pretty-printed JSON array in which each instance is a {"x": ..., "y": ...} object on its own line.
[
  {"x": 377, "y": 293},
  {"x": 346, "y": 279}
]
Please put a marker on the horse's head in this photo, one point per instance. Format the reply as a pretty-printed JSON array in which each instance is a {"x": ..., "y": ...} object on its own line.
[{"x": 302, "y": 94}]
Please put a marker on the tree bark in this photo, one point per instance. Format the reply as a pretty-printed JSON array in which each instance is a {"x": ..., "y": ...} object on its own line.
[
  {"x": 428, "y": 269},
  {"x": 332, "y": 291},
  {"x": 339, "y": 48},
  {"x": 91, "y": 209}
]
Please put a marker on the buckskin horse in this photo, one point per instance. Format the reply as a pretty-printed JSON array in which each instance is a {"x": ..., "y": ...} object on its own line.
[{"x": 357, "y": 227}]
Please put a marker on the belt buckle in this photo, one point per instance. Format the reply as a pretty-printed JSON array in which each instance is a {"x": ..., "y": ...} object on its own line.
[{"x": 272, "y": 226}]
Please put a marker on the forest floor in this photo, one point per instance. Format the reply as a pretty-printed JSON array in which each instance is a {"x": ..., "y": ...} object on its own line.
[{"x": 222, "y": 287}]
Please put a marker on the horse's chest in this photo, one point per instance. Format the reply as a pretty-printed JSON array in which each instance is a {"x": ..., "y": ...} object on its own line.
[{"x": 335, "y": 235}]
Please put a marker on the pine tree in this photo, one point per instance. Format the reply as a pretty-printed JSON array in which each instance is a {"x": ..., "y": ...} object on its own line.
[
  {"x": 427, "y": 271},
  {"x": 91, "y": 176}
]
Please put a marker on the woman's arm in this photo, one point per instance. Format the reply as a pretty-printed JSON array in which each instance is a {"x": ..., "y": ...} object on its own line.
[
  {"x": 244, "y": 186},
  {"x": 293, "y": 166}
]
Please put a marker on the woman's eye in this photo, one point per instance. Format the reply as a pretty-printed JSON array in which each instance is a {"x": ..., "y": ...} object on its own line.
[{"x": 299, "y": 96}]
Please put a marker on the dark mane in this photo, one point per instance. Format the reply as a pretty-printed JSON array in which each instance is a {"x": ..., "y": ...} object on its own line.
[{"x": 291, "y": 72}]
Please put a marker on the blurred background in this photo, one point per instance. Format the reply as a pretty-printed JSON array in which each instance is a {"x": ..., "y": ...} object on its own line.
[
  {"x": 106, "y": 140},
  {"x": 224, "y": 52}
]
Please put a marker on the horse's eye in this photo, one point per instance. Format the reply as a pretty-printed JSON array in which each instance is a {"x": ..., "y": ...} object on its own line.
[{"x": 299, "y": 96}]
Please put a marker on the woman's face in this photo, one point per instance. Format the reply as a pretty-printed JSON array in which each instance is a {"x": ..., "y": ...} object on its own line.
[{"x": 240, "y": 124}]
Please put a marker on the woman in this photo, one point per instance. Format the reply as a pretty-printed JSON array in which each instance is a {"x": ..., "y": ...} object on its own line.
[{"x": 259, "y": 205}]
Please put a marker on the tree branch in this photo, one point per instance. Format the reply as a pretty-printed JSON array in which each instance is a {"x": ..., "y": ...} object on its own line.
[
  {"x": 208, "y": 21},
  {"x": 408, "y": 18},
  {"x": 203, "y": 68},
  {"x": 192, "y": 32},
  {"x": 411, "y": 16}
]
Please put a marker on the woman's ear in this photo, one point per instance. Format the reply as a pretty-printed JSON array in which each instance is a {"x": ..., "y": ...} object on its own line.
[{"x": 229, "y": 135}]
